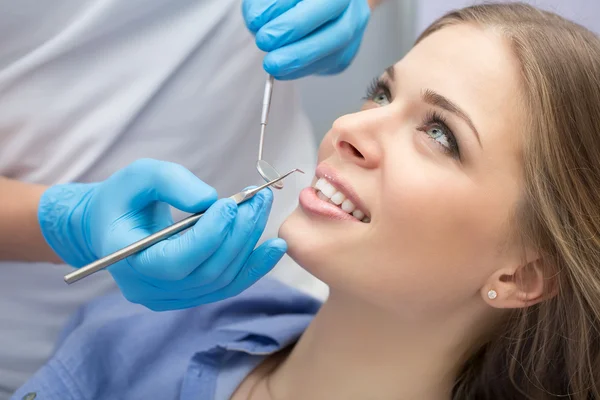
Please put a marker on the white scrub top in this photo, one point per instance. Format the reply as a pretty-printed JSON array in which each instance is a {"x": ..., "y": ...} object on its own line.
[{"x": 88, "y": 86}]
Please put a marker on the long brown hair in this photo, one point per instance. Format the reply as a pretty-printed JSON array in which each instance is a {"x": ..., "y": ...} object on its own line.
[{"x": 553, "y": 348}]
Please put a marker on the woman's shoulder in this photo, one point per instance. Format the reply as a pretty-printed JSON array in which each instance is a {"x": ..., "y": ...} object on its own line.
[{"x": 107, "y": 341}]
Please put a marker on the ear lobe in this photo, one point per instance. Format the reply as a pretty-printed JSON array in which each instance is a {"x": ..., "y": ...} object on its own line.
[{"x": 520, "y": 287}]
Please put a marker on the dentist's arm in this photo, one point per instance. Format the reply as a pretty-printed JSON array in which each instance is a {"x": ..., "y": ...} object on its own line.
[
  {"x": 20, "y": 235},
  {"x": 213, "y": 260},
  {"x": 307, "y": 37}
]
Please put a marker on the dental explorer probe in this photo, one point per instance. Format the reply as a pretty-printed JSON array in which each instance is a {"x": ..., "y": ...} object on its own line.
[
  {"x": 265, "y": 169},
  {"x": 169, "y": 231}
]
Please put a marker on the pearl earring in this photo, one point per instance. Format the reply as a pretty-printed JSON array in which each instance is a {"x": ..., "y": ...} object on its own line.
[{"x": 492, "y": 294}]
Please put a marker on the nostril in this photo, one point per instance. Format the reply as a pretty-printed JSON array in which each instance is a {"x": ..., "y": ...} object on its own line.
[{"x": 351, "y": 149}]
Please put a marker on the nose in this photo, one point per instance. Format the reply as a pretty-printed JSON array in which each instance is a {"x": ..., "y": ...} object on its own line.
[{"x": 356, "y": 139}]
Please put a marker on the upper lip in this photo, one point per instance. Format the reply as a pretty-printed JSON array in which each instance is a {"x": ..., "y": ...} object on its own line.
[{"x": 332, "y": 176}]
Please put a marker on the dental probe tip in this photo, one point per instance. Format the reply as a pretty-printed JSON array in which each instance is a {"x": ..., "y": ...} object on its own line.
[
  {"x": 280, "y": 178},
  {"x": 288, "y": 174}
]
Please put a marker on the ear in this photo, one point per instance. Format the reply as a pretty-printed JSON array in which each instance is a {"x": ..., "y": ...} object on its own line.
[{"x": 520, "y": 286}]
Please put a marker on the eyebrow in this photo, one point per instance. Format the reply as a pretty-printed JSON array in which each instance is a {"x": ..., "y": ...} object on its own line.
[
  {"x": 437, "y": 100},
  {"x": 391, "y": 72}
]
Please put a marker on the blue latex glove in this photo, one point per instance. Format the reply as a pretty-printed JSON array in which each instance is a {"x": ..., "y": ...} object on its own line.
[
  {"x": 212, "y": 261},
  {"x": 306, "y": 37}
]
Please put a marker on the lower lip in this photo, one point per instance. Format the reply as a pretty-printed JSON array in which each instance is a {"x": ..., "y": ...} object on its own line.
[{"x": 311, "y": 203}]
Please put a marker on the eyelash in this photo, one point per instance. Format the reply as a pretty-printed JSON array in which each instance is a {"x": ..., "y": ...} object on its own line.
[
  {"x": 376, "y": 87},
  {"x": 432, "y": 118}
]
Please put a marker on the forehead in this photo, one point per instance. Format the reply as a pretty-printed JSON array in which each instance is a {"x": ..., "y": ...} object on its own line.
[{"x": 473, "y": 67}]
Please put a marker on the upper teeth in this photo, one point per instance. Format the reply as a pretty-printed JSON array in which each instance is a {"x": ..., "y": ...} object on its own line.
[{"x": 328, "y": 192}]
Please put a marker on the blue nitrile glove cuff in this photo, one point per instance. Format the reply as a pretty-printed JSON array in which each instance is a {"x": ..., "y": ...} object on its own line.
[{"x": 60, "y": 214}]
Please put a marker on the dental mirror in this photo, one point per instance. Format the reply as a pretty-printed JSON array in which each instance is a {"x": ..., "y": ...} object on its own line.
[
  {"x": 264, "y": 168},
  {"x": 269, "y": 173}
]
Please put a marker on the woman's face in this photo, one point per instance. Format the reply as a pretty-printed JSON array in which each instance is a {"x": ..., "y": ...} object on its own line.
[{"x": 432, "y": 162}]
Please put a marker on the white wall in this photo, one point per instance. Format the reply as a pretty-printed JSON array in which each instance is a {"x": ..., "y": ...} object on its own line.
[{"x": 386, "y": 41}]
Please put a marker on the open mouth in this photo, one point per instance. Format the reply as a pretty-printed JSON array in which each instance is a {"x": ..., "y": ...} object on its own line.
[{"x": 329, "y": 193}]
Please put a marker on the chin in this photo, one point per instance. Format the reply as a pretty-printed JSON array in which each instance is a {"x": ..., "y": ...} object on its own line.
[
  {"x": 336, "y": 252},
  {"x": 320, "y": 247},
  {"x": 301, "y": 236}
]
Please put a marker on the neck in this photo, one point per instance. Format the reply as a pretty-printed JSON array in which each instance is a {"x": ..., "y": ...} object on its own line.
[{"x": 353, "y": 350}]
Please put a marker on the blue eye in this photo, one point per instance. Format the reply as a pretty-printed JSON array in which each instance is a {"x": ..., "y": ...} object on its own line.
[
  {"x": 435, "y": 127},
  {"x": 379, "y": 92},
  {"x": 381, "y": 99},
  {"x": 437, "y": 133}
]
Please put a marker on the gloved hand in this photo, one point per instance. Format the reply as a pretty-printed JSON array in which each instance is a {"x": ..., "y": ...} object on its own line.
[
  {"x": 306, "y": 37},
  {"x": 212, "y": 261}
]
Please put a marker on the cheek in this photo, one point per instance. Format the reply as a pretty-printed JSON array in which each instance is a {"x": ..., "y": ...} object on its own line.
[{"x": 443, "y": 225}]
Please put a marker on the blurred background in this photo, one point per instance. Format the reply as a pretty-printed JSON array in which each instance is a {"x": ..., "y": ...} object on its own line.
[{"x": 390, "y": 34}]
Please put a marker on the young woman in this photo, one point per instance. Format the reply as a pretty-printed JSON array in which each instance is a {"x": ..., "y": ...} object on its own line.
[{"x": 456, "y": 220}]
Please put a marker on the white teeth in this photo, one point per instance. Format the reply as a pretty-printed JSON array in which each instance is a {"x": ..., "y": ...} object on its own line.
[
  {"x": 348, "y": 206},
  {"x": 320, "y": 183},
  {"x": 358, "y": 214},
  {"x": 327, "y": 192},
  {"x": 338, "y": 198},
  {"x": 328, "y": 189}
]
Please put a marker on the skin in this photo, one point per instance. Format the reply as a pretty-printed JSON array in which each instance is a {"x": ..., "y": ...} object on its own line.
[
  {"x": 408, "y": 291},
  {"x": 20, "y": 234}
]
